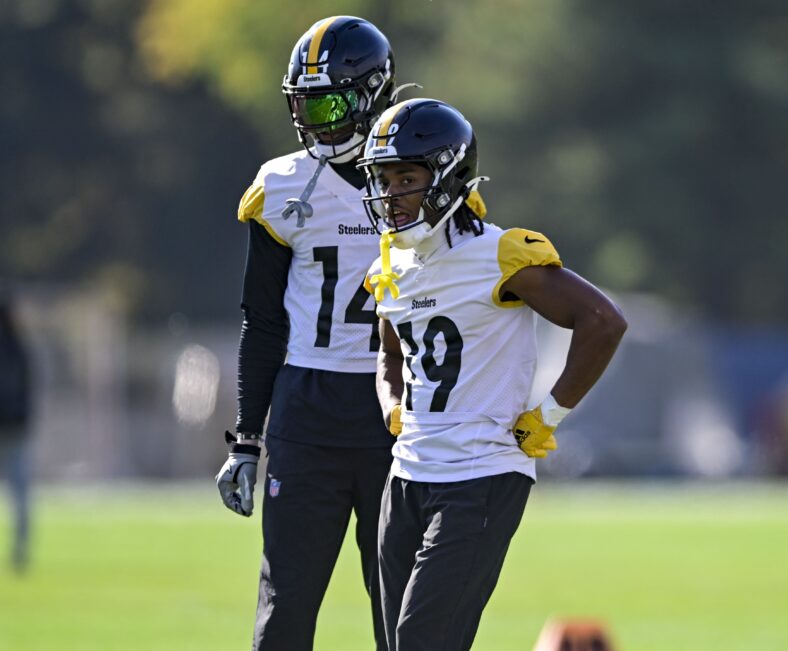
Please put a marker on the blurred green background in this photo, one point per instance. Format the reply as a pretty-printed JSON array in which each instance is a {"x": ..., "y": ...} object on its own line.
[{"x": 648, "y": 140}]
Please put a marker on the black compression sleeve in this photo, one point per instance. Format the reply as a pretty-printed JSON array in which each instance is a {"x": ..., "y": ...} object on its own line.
[{"x": 265, "y": 326}]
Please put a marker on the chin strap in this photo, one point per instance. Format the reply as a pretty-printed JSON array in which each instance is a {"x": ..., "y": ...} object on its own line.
[
  {"x": 348, "y": 150},
  {"x": 395, "y": 93},
  {"x": 474, "y": 200},
  {"x": 476, "y": 204},
  {"x": 301, "y": 206},
  {"x": 473, "y": 184},
  {"x": 471, "y": 192},
  {"x": 383, "y": 281}
]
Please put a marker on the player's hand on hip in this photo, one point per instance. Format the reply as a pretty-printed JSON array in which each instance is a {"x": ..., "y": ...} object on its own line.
[
  {"x": 238, "y": 476},
  {"x": 533, "y": 436}
]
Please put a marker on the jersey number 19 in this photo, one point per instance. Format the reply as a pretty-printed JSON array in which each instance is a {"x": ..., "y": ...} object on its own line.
[{"x": 447, "y": 372}]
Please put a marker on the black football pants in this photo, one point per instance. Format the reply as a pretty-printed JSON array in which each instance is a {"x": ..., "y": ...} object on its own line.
[
  {"x": 441, "y": 549},
  {"x": 310, "y": 492}
]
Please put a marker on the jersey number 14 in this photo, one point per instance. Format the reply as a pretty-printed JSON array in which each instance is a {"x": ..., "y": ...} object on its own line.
[{"x": 354, "y": 312}]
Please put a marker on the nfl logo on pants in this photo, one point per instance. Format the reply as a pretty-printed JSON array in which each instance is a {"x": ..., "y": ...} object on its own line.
[{"x": 273, "y": 487}]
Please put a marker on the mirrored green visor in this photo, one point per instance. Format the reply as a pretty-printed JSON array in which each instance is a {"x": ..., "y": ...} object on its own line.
[{"x": 324, "y": 110}]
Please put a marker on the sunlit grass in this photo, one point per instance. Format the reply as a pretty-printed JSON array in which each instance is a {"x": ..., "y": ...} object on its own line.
[{"x": 167, "y": 567}]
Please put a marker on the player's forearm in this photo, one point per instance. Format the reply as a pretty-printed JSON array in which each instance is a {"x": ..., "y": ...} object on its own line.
[
  {"x": 264, "y": 332},
  {"x": 261, "y": 354},
  {"x": 595, "y": 339}
]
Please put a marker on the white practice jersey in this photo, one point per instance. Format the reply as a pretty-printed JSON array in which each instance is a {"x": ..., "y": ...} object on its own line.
[
  {"x": 333, "y": 325},
  {"x": 470, "y": 357}
]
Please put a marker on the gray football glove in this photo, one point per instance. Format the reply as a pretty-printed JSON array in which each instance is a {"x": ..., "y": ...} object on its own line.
[{"x": 237, "y": 478}]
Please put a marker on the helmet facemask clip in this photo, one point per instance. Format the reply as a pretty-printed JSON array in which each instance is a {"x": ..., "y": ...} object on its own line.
[{"x": 301, "y": 206}]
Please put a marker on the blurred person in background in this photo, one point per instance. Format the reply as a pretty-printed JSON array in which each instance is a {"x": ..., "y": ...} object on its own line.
[
  {"x": 328, "y": 449},
  {"x": 457, "y": 299},
  {"x": 14, "y": 429}
]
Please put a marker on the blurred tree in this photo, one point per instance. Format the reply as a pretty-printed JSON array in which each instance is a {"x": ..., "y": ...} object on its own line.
[
  {"x": 244, "y": 61},
  {"x": 648, "y": 141},
  {"x": 110, "y": 178}
]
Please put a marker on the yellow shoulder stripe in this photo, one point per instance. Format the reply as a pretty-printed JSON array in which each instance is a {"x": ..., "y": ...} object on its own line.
[
  {"x": 251, "y": 203},
  {"x": 476, "y": 204},
  {"x": 519, "y": 248},
  {"x": 251, "y": 207}
]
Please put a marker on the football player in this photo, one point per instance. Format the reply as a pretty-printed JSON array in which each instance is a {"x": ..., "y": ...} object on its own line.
[
  {"x": 457, "y": 299},
  {"x": 310, "y": 246}
]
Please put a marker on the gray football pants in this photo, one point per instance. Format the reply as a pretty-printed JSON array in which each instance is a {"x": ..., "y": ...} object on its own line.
[{"x": 441, "y": 547}]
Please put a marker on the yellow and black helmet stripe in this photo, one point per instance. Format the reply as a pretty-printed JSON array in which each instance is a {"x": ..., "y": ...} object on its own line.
[
  {"x": 313, "y": 55},
  {"x": 385, "y": 122}
]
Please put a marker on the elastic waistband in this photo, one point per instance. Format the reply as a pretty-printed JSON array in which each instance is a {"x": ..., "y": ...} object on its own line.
[{"x": 452, "y": 418}]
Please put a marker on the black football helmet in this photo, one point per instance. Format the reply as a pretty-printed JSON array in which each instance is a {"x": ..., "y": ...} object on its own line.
[
  {"x": 431, "y": 133},
  {"x": 340, "y": 79}
]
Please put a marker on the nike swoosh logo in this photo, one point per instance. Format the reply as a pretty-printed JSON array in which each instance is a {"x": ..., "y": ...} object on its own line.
[{"x": 528, "y": 240}]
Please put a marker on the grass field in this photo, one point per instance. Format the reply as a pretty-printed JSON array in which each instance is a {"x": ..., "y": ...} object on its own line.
[{"x": 667, "y": 566}]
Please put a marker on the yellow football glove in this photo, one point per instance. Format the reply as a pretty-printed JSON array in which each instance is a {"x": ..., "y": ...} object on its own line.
[
  {"x": 395, "y": 422},
  {"x": 533, "y": 436}
]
